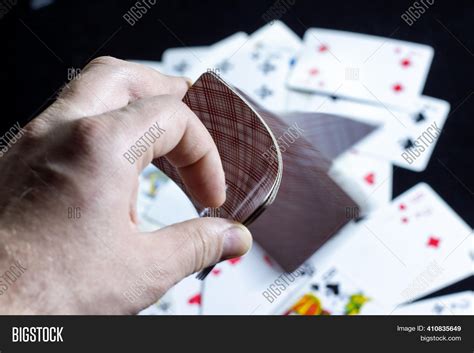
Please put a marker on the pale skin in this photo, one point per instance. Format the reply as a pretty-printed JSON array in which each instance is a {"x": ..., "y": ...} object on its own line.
[{"x": 71, "y": 157}]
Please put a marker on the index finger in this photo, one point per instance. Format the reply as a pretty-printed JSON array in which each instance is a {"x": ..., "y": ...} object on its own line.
[{"x": 107, "y": 84}]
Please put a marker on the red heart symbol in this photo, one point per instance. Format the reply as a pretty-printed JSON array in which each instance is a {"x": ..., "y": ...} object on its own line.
[
  {"x": 370, "y": 178},
  {"x": 196, "y": 299}
]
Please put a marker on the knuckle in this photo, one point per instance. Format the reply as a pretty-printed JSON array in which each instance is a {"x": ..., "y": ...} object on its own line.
[
  {"x": 105, "y": 61},
  {"x": 85, "y": 135}
]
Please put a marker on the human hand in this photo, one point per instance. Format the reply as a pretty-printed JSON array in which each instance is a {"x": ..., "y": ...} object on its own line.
[{"x": 71, "y": 157}]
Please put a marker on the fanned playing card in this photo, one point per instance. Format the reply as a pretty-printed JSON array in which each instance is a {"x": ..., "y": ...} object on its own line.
[
  {"x": 260, "y": 165},
  {"x": 330, "y": 134}
]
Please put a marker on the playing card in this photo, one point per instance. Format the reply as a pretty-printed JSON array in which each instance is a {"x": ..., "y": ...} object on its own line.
[
  {"x": 451, "y": 304},
  {"x": 367, "y": 180},
  {"x": 384, "y": 71},
  {"x": 419, "y": 135},
  {"x": 407, "y": 249},
  {"x": 215, "y": 58},
  {"x": 330, "y": 292},
  {"x": 180, "y": 61},
  {"x": 261, "y": 66}
]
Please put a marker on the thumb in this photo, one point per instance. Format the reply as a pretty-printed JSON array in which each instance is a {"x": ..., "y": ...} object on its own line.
[{"x": 188, "y": 247}]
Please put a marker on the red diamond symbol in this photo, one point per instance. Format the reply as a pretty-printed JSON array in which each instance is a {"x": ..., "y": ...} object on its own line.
[
  {"x": 406, "y": 62},
  {"x": 433, "y": 242}
]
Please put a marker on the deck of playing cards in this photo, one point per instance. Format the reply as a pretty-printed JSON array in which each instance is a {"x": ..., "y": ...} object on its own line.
[{"x": 308, "y": 131}]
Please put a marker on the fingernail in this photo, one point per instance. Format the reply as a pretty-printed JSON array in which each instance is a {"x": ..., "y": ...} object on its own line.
[{"x": 237, "y": 241}]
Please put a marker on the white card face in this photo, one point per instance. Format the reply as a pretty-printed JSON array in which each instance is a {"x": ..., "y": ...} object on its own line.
[
  {"x": 380, "y": 70},
  {"x": 261, "y": 74},
  {"x": 368, "y": 181},
  {"x": 261, "y": 66},
  {"x": 452, "y": 304},
  {"x": 216, "y": 55},
  {"x": 250, "y": 285},
  {"x": 408, "y": 249},
  {"x": 180, "y": 61}
]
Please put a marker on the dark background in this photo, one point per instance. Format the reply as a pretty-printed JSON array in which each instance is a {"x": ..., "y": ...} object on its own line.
[{"x": 68, "y": 34}]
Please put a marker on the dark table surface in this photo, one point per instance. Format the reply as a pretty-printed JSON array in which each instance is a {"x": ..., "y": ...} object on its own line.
[{"x": 67, "y": 34}]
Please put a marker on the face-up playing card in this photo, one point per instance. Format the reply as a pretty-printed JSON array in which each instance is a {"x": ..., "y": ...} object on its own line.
[
  {"x": 452, "y": 304},
  {"x": 380, "y": 70},
  {"x": 419, "y": 136},
  {"x": 260, "y": 67},
  {"x": 215, "y": 58},
  {"x": 329, "y": 292},
  {"x": 410, "y": 248},
  {"x": 367, "y": 180}
]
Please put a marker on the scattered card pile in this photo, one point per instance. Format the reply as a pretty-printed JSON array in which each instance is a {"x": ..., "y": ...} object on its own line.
[{"x": 343, "y": 109}]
